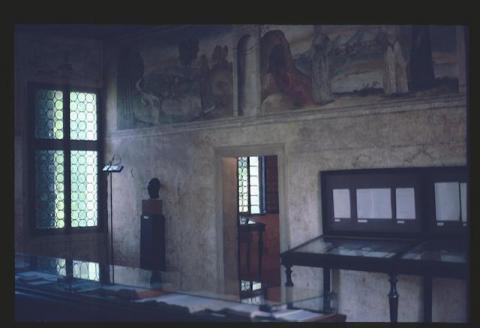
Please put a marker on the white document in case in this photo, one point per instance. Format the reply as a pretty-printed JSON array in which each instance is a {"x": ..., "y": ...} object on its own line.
[
  {"x": 451, "y": 258},
  {"x": 378, "y": 254},
  {"x": 297, "y": 315},
  {"x": 247, "y": 310},
  {"x": 115, "y": 288},
  {"x": 374, "y": 203},
  {"x": 29, "y": 276},
  {"x": 447, "y": 201},
  {"x": 341, "y": 203},
  {"x": 35, "y": 275},
  {"x": 193, "y": 303},
  {"x": 344, "y": 251},
  {"x": 405, "y": 201},
  {"x": 40, "y": 282}
]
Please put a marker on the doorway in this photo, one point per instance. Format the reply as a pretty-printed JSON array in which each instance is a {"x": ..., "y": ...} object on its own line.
[
  {"x": 258, "y": 224},
  {"x": 240, "y": 267}
]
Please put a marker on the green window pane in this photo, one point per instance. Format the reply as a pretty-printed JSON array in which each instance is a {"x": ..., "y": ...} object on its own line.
[
  {"x": 84, "y": 188},
  {"x": 49, "y": 186},
  {"x": 48, "y": 114},
  {"x": 254, "y": 185},
  {"x": 83, "y": 116},
  {"x": 242, "y": 185}
]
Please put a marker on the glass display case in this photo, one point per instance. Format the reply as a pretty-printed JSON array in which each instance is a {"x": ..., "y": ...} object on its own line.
[
  {"x": 411, "y": 220},
  {"x": 431, "y": 258},
  {"x": 439, "y": 251},
  {"x": 437, "y": 257},
  {"x": 363, "y": 247},
  {"x": 128, "y": 293}
]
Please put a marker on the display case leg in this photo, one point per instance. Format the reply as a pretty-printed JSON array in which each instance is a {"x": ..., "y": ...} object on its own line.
[
  {"x": 260, "y": 255},
  {"x": 326, "y": 290},
  {"x": 248, "y": 260},
  {"x": 427, "y": 298},
  {"x": 393, "y": 298}
]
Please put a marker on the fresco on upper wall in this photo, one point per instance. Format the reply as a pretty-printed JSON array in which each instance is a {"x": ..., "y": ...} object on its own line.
[
  {"x": 187, "y": 75},
  {"x": 310, "y": 66},
  {"x": 444, "y": 51},
  {"x": 181, "y": 77}
]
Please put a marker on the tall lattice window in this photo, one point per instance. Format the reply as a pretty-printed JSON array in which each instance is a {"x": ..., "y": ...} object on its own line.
[
  {"x": 250, "y": 185},
  {"x": 64, "y": 157}
]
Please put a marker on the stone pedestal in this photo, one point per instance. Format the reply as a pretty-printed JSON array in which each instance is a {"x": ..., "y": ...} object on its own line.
[
  {"x": 152, "y": 235},
  {"x": 152, "y": 207}
]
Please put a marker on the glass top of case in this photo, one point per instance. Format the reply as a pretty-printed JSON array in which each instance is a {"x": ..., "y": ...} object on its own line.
[
  {"x": 139, "y": 285},
  {"x": 438, "y": 250},
  {"x": 344, "y": 246}
]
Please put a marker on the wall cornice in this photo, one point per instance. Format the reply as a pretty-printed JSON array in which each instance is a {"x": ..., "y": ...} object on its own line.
[{"x": 379, "y": 108}]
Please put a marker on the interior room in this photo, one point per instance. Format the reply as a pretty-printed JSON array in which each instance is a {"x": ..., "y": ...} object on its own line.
[{"x": 244, "y": 172}]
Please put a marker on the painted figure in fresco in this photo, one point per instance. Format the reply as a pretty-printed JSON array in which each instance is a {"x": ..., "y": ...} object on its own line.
[
  {"x": 284, "y": 86},
  {"x": 130, "y": 71},
  {"x": 395, "y": 80},
  {"x": 178, "y": 85},
  {"x": 187, "y": 51},
  {"x": 150, "y": 102},
  {"x": 219, "y": 57},
  {"x": 189, "y": 88},
  {"x": 421, "y": 63},
  {"x": 320, "y": 50},
  {"x": 206, "y": 95},
  {"x": 221, "y": 79}
]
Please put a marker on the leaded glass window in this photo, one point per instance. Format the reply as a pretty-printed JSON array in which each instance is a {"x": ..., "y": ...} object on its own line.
[
  {"x": 243, "y": 185},
  {"x": 49, "y": 114},
  {"x": 84, "y": 191},
  {"x": 49, "y": 186},
  {"x": 65, "y": 162},
  {"x": 254, "y": 185},
  {"x": 86, "y": 270},
  {"x": 250, "y": 185},
  {"x": 83, "y": 116}
]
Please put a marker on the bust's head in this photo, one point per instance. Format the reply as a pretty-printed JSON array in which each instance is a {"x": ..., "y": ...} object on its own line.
[{"x": 153, "y": 188}]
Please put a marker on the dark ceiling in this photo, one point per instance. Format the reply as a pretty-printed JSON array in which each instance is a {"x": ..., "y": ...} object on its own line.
[{"x": 101, "y": 32}]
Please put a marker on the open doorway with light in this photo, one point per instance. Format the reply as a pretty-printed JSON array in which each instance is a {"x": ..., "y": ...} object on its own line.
[{"x": 258, "y": 224}]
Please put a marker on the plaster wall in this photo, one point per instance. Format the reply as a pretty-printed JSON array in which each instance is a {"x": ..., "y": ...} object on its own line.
[
  {"x": 51, "y": 60},
  {"x": 422, "y": 131}
]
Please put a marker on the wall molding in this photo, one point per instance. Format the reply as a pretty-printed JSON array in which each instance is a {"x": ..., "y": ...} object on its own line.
[{"x": 404, "y": 104}]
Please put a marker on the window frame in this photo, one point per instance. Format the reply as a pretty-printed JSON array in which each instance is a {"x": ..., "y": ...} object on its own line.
[
  {"x": 261, "y": 186},
  {"x": 66, "y": 145}
]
